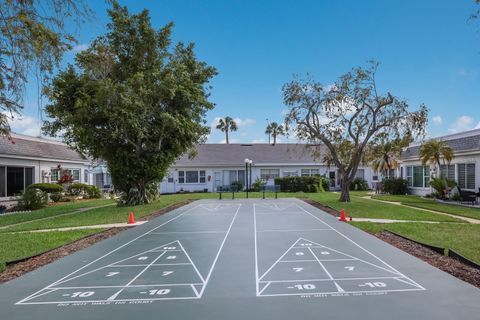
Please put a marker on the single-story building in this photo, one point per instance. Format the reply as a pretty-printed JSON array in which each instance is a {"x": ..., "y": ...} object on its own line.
[
  {"x": 464, "y": 168},
  {"x": 221, "y": 164},
  {"x": 25, "y": 160}
]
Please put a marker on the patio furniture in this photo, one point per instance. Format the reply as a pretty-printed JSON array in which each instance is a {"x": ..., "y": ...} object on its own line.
[{"x": 467, "y": 196}]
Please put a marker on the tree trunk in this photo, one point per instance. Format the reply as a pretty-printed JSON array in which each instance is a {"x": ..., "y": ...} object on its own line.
[
  {"x": 274, "y": 138},
  {"x": 345, "y": 194},
  {"x": 226, "y": 135}
]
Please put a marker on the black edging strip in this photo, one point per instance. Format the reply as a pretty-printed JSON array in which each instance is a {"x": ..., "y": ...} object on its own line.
[
  {"x": 461, "y": 258},
  {"x": 439, "y": 250}
]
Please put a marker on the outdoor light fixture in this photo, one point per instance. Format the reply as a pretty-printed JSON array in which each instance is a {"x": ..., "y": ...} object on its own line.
[{"x": 247, "y": 179}]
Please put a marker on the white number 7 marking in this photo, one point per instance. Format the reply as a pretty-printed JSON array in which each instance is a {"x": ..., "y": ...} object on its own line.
[
  {"x": 350, "y": 268},
  {"x": 297, "y": 269},
  {"x": 166, "y": 273}
]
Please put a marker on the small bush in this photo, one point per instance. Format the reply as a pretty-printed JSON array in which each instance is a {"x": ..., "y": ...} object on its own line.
[
  {"x": 84, "y": 190},
  {"x": 46, "y": 187},
  {"x": 300, "y": 184},
  {"x": 257, "y": 185},
  {"x": 439, "y": 185},
  {"x": 33, "y": 199},
  {"x": 2, "y": 266},
  {"x": 325, "y": 184},
  {"x": 56, "y": 197},
  {"x": 395, "y": 186},
  {"x": 359, "y": 184},
  {"x": 236, "y": 185}
]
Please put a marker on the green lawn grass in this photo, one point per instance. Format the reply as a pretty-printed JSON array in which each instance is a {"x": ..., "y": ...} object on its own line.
[
  {"x": 366, "y": 208},
  {"x": 358, "y": 207},
  {"x": 15, "y": 246},
  {"x": 52, "y": 210},
  {"x": 430, "y": 204},
  {"x": 463, "y": 238}
]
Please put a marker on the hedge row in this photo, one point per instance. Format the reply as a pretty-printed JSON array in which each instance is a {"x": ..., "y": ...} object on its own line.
[{"x": 301, "y": 184}]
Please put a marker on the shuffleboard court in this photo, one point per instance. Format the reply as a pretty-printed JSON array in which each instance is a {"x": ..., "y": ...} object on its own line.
[{"x": 236, "y": 259}]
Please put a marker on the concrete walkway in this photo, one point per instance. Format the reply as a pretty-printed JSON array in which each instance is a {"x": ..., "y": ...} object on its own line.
[
  {"x": 469, "y": 220},
  {"x": 394, "y": 221},
  {"x": 97, "y": 226}
]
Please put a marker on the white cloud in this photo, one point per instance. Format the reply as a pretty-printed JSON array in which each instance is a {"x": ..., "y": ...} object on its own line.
[
  {"x": 437, "y": 120},
  {"x": 25, "y": 125},
  {"x": 239, "y": 121},
  {"x": 477, "y": 126},
  {"x": 462, "y": 123},
  {"x": 259, "y": 141},
  {"x": 80, "y": 47}
]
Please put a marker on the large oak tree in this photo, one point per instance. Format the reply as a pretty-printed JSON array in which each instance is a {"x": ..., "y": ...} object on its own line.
[
  {"x": 348, "y": 117},
  {"x": 133, "y": 99}
]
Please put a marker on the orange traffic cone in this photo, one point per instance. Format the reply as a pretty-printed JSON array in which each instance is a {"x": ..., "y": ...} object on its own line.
[
  {"x": 131, "y": 218},
  {"x": 343, "y": 216}
]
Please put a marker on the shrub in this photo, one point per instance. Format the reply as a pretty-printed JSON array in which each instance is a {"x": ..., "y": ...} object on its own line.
[
  {"x": 236, "y": 185},
  {"x": 439, "y": 185},
  {"x": 325, "y": 184},
  {"x": 56, "y": 197},
  {"x": 46, "y": 187},
  {"x": 359, "y": 184},
  {"x": 396, "y": 186},
  {"x": 300, "y": 184},
  {"x": 93, "y": 192},
  {"x": 2, "y": 266},
  {"x": 33, "y": 199},
  {"x": 257, "y": 185},
  {"x": 84, "y": 190}
]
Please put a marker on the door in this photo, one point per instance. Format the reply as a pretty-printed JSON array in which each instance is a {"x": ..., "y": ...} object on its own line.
[
  {"x": 217, "y": 180},
  {"x": 332, "y": 178},
  {"x": 168, "y": 184}
]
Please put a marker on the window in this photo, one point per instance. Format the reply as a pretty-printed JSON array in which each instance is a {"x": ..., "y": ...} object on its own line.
[
  {"x": 418, "y": 176},
  {"x": 85, "y": 176},
  {"x": 55, "y": 174},
  {"x": 310, "y": 172},
  {"x": 230, "y": 176},
  {"x": 181, "y": 176},
  {"x": 14, "y": 180},
  {"x": 360, "y": 173},
  {"x": 375, "y": 178},
  {"x": 267, "y": 174},
  {"x": 447, "y": 171},
  {"x": 290, "y": 173},
  {"x": 192, "y": 176},
  {"x": 410, "y": 176},
  {"x": 466, "y": 175}
]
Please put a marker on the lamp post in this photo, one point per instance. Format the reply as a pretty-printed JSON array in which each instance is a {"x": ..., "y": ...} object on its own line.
[
  {"x": 250, "y": 177},
  {"x": 247, "y": 161}
]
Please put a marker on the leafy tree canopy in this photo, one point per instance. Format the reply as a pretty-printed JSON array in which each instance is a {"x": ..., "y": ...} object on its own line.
[
  {"x": 32, "y": 42},
  {"x": 133, "y": 99},
  {"x": 349, "y": 117}
]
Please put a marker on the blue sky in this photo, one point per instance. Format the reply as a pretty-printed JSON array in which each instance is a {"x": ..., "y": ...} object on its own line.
[{"x": 429, "y": 53}]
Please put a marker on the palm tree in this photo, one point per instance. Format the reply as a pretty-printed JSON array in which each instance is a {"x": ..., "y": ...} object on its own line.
[
  {"x": 433, "y": 151},
  {"x": 268, "y": 131},
  {"x": 226, "y": 125},
  {"x": 386, "y": 155},
  {"x": 275, "y": 130}
]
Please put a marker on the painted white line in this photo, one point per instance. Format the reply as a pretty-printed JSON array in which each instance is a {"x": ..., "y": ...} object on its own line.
[
  {"x": 409, "y": 283},
  {"x": 220, "y": 250},
  {"x": 136, "y": 277},
  {"x": 268, "y": 283},
  {"x": 256, "y": 251},
  {"x": 367, "y": 251},
  {"x": 336, "y": 292},
  {"x": 110, "y": 252},
  {"x": 44, "y": 293},
  {"x": 323, "y": 260},
  {"x": 103, "y": 300},
  {"x": 352, "y": 257},
  {"x": 293, "y": 230},
  {"x": 187, "y": 232},
  {"x": 336, "y": 279},
  {"x": 156, "y": 264},
  {"x": 326, "y": 271},
  {"x": 195, "y": 290},
  {"x": 278, "y": 260},
  {"x": 191, "y": 262},
  {"x": 133, "y": 286}
]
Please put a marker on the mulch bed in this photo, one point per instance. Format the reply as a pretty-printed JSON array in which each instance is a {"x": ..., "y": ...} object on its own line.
[
  {"x": 447, "y": 264},
  {"x": 450, "y": 265},
  {"x": 16, "y": 270}
]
